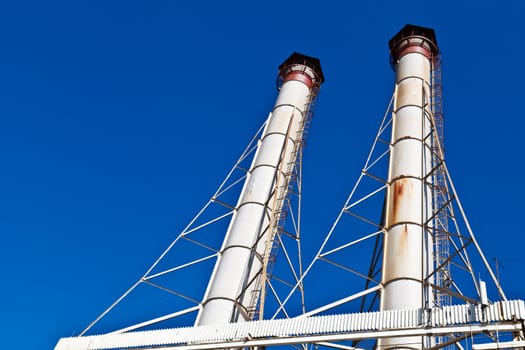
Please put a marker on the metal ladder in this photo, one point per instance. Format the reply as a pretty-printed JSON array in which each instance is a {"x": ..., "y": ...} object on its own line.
[
  {"x": 440, "y": 192},
  {"x": 278, "y": 219}
]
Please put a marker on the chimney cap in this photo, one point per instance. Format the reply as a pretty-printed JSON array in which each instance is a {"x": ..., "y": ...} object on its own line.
[
  {"x": 412, "y": 35},
  {"x": 299, "y": 59}
]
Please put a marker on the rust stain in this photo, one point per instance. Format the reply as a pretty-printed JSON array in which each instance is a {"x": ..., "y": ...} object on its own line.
[
  {"x": 397, "y": 255},
  {"x": 402, "y": 190},
  {"x": 403, "y": 240},
  {"x": 399, "y": 190}
]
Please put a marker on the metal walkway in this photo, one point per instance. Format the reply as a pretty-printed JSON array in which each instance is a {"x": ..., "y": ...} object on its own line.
[{"x": 504, "y": 316}]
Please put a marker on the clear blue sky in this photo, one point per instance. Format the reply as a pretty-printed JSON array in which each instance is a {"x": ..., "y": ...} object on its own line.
[{"x": 119, "y": 119}]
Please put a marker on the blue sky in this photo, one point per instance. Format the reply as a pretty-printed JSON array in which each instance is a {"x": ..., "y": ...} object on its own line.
[{"x": 119, "y": 120}]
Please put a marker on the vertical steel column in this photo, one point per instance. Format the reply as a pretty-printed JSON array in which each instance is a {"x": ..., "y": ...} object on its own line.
[
  {"x": 225, "y": 298},
  {"x": 408, "y": 245}
]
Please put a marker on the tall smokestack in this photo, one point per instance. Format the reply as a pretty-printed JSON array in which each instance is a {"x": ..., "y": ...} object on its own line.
[
  {"x": 408, "y": 243},
  {"x": 228, "y": 297}
]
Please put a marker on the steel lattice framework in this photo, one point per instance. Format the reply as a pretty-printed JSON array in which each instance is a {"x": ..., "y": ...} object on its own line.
[{"x": 348, "y": 316}]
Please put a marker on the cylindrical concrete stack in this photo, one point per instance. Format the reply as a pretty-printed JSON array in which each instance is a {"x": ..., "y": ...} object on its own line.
[
  {"x": 408, "y": 246},
  {"x": 227, "y": 298}
]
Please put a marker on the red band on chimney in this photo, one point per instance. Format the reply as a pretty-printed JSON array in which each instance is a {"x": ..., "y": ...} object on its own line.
[
  {"x": 415, "y": 49},
  {"x": 300, "y": 76}
]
